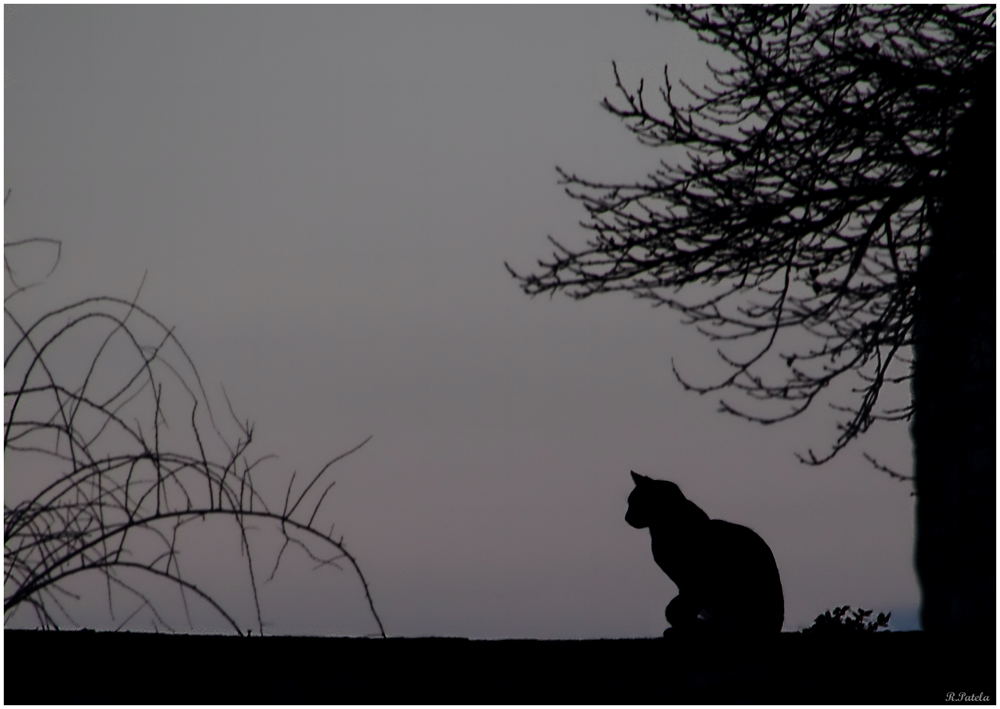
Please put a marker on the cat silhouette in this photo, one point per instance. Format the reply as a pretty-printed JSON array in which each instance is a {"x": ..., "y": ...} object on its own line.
[{"x": 725, "y": 573}]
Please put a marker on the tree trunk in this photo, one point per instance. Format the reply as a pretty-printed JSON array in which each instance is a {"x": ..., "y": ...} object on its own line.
[{"x": 954, "y": 383}]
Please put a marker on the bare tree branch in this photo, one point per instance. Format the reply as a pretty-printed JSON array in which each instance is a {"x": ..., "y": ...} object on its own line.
[{"x": 802, "y": 206}]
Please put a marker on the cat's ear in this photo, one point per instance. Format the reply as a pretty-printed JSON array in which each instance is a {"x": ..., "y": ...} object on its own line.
[{"x": 638, "y": 479}]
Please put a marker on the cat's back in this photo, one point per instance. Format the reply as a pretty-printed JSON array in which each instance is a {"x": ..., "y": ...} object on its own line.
[
  {"x": 740, "y": 549},
  {"x": 745, "y": 562}
]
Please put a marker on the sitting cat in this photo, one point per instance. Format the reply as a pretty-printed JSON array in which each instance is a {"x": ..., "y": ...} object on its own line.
[{"x": 725, "y": 573}]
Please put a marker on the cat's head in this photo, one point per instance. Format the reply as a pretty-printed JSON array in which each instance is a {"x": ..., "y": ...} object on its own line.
[{"x": 659, "y": 502}]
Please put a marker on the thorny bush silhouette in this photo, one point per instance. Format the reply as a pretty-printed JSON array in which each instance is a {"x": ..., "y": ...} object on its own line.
[{"x": 104, "y": 484}]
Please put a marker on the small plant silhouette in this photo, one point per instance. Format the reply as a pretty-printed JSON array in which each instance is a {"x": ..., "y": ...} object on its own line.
[{"x": 838, "y": 621}]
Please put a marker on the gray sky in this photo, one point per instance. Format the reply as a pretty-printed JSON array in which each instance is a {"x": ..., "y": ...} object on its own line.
[{"x": 324, "y": 198}]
